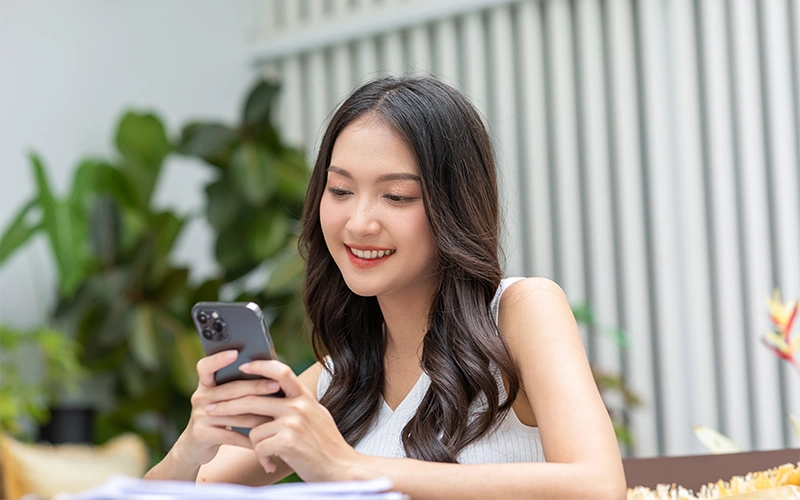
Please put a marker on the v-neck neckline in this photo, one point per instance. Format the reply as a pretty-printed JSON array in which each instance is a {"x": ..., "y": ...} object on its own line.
[{"x": 408, "y": 396}]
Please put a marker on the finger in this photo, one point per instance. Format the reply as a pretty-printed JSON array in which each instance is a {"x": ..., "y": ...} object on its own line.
[
  {"x": 279, "y": 372},
  {"x": 263, "y": 431},
  {"x": 220, "y": 435},
  {"x": 242, "y": 388},
  {"x": 254, "y": 405},
  {"x": 247, "y": 421},
  {"x": 208, "y": 365}
]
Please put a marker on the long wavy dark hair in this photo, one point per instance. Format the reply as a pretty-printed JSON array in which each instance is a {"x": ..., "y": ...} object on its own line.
[{"x": 459, "y": 190}]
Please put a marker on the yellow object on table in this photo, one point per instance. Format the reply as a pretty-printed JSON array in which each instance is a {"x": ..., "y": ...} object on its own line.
[{"x": 779, "y": 483}]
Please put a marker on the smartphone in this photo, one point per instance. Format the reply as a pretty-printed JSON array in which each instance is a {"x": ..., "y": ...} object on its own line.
[{"x": 234, "y": 325}]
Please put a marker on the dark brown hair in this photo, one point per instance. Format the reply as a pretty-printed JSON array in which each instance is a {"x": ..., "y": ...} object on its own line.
[{"x": 459, "y": 190}]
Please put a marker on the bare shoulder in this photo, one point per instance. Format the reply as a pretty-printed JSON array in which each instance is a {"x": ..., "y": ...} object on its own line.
[
  {"x": 534, "y": 299},
  {"x": 535, "y": 317}
]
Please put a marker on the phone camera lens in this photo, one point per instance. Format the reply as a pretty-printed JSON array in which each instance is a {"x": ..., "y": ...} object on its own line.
[
  {"x": 208, "y": 334},
  {"x": 202, "y": 317},
  {"x": 219, "y": 326}
]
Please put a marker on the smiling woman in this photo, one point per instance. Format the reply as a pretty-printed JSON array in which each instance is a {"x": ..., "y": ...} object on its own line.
[
  {"x": 372, "y": 214},
  {"x": 433, "y": 369}
]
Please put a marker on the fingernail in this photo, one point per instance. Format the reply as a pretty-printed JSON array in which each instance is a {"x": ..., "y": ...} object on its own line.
[
  {"x": 273, "y": 386},
  {"x": 244, "y": 366},
  {"x": 210, "y": 408}
]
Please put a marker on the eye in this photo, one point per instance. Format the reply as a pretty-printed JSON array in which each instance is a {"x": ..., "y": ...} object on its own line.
[
  {"x": 338, "y": 192},
  {"x": 396, "y": 198}
]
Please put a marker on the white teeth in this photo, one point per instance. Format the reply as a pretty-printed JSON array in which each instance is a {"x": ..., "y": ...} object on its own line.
[{"x": 371, "y": 254}]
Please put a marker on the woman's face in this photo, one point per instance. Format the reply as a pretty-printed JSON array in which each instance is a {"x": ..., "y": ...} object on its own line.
[{"x": 372, "y": 214}]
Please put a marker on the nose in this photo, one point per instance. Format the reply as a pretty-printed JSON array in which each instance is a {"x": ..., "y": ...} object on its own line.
[{"x": 364, "y": 219}]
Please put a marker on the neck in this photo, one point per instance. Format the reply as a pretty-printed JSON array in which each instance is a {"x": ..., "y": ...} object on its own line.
[{"x": 406, "y": 321}]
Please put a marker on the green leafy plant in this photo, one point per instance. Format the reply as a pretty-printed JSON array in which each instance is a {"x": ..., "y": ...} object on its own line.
[
  {"x": 121, "y": 297},
  {"x": 254, "y": 205},
  {"x": 26, "y": 395}
]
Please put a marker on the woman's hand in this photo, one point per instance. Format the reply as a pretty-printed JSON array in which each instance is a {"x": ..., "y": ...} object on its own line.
[
  {"x": 301, "y": 431},
  {"x": 206, "y": 431}
]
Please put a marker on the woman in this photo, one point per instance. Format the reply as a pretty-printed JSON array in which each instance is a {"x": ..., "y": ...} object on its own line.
[{"x": 433, "y": 370}]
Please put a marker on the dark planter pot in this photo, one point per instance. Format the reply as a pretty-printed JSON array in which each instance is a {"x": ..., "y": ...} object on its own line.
[{"x": 69, "y": 425}]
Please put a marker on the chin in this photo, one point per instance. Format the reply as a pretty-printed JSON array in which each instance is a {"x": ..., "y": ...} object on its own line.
[{"x": 362, "y": 289}]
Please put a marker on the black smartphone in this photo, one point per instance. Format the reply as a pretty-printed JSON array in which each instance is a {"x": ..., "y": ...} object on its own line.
[{"x": 234, "y": 325}]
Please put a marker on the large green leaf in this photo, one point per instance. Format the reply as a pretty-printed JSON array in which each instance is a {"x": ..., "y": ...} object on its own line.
[
  {"x": 231, "y": 252},
  {"x": 167, "y": 226},
  {"x": 110, "y": 180},
  {"x": 287, "y": 273},
  {"x": 213, "y": 142},
  {"x": 188, "y": 351},
  {"x": 144, "y": 347},
  {"x": 223, "y": 203},
  {"x": 252, "y": 167},
  {"x": 267, "y": 233},
  {"x": 172, "y": 284},
  {"x": 206, "y": 292},
  {"x": 20, "y": 230},
  {"x": 144, "y": 145},
  {"x": 66, "y": 230},
  {"x": 259, "y": 103},
  {"x": 292, "y": 175},
  {"x": 141, "y": 137}
]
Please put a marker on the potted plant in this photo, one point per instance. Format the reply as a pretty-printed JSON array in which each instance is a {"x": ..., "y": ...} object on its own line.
[{"x": 120, "y": 296}]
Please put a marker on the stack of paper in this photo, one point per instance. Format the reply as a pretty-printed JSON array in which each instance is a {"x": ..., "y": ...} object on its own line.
[{"x": 118, "y": 488}]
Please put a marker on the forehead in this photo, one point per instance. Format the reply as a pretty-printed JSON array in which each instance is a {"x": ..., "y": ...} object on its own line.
[{"x": 370, "y": 145}]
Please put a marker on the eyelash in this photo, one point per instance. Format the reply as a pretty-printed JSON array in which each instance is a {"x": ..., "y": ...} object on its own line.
[{"x": 393, "y": 198}]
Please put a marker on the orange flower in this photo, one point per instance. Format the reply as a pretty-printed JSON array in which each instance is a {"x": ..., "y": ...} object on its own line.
[{"x": 783, "y": 315}]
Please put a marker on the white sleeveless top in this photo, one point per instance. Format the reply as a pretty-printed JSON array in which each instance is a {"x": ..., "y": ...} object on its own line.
[{"x": 509, "y": 440}]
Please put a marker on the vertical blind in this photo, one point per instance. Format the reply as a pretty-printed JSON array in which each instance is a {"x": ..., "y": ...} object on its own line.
[{"x": 650, "y": 161}]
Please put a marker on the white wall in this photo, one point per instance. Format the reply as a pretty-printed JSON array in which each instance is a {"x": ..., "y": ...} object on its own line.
[{"x": 67, "y": 72}]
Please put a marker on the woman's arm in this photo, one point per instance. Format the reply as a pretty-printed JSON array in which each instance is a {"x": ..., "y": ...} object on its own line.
[
  {"x": 536, "y": 320},
  {"x": 578, "y": 439}
]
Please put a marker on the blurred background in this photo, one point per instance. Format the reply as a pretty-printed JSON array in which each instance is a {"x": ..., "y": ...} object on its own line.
[{"x": 154, "y": 153}]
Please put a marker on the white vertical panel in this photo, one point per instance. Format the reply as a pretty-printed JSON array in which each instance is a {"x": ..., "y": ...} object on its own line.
[
  {"x": 316, "y": 11},
  {"x": 340, "y": 7},
  {"x": 419, "y": 50},
  {"x": 565, "y": 157},
  {"x": 724, "y": 231},
  {"x": 665, "y": 234},
  {"x": 504, "y": 131},
  {"x": 315, "y": 102},
  {"x": 291, "y": 104},
  {"x": 785, "y": 168},
  {"x": 393, "y": 53},
  {"x": 600, "y": 245},
  {"x": 537, "y": 190},
  {"x": 690, "y": 206},
  {"x": 291, "y": 14},
  {"x": 632, "y": 225},
  {"x": 366, "y": 60},
  {"x": 474, "y": 46},
  {"x": 341, "y": 73},
  {"x": 766, "y": 399},
  {"x": 445, "y": 47}
]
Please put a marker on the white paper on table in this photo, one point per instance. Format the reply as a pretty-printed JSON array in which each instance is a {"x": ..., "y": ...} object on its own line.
[{"x": 127, "y": 488}]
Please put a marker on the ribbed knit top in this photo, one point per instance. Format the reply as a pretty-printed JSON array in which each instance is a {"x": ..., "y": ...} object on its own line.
[{"x": 509, "y": 440}]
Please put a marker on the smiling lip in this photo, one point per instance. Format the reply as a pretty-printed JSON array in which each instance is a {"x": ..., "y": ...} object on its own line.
[{"x": 367, "y": 263}]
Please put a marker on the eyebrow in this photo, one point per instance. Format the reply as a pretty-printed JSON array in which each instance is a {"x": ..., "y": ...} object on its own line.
[{"x": 400, "y": 176}]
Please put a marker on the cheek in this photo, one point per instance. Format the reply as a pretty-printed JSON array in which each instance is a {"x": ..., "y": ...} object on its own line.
[{"x": 330, "y": 219}]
